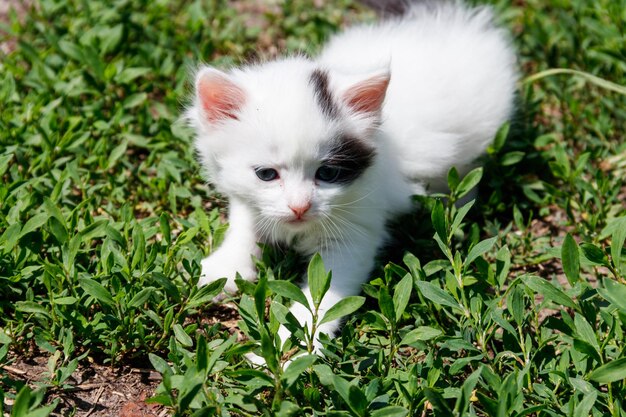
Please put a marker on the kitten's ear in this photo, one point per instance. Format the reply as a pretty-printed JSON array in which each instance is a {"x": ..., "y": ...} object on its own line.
[
  {"x": 367, "y": 96},
  {"x": 219, "y": 97}
]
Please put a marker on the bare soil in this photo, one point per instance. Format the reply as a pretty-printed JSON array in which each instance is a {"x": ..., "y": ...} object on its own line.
[
  {"x": 93, "y": 390},
  {"x": 97, "y": 390}
]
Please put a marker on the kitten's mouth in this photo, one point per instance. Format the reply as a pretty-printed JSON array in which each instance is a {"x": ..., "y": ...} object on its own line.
[{"x": 297, "y": 221}]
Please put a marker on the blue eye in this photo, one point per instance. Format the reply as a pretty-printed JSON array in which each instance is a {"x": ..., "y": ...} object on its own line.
[
  {"x": 266, "y": 174},
  {"x": 328, "y": 173}
]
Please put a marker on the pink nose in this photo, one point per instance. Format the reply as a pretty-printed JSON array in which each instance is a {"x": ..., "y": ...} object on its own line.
[{"x": 300, "y": 209}]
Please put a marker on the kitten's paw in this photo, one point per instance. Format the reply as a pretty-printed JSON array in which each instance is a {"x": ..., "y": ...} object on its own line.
[
  {"x": 259, "y": 361},
  {"x": 254, "y": 359},
  {"x": 216, "y": 267}
]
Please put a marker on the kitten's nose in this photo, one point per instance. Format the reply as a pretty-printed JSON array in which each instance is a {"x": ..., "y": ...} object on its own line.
[{"x": 299, "y": 210}]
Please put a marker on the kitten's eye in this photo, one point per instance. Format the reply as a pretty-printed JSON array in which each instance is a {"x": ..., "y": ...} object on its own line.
[
  {"x": 327, "y": 173},
  {"x": 266, "y": 174}
]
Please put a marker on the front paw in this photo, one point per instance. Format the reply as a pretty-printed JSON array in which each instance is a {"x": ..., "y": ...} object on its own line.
[{"x": 219, "y": 266}]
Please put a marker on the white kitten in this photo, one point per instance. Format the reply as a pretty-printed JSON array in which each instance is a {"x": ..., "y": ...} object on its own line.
[{"x": 321, "y": 154}]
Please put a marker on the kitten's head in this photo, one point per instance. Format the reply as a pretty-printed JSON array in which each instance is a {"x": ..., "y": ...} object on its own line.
[{"x": 291, "y": 140}]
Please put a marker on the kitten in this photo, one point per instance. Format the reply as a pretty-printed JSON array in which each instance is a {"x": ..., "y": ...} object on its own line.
[{"x": 321, "y": 153}]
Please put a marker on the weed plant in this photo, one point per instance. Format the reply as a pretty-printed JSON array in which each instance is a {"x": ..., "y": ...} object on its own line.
[{"x": 512, "y": 304}]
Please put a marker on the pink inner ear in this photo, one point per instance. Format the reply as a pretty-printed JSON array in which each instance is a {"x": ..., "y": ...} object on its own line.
[
  {"x": 220, "y": 97},
  {"x": 367, "y": 96}
]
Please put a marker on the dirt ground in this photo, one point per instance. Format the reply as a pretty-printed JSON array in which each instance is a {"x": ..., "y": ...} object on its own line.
[{"x": 95, "y": 390}]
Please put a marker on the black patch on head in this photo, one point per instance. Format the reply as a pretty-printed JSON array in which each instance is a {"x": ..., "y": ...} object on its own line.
[
  {"x": 388, "y": 7},
  {"x": 319, "y": 81},
  {"x": 352, "y": 156}
]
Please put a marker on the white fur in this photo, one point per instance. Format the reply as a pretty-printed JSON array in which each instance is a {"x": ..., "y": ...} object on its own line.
[{"x": 452, "y": 81}]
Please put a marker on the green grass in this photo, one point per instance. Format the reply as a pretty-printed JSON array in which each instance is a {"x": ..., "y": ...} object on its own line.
[{"x": 516, "y": 307}]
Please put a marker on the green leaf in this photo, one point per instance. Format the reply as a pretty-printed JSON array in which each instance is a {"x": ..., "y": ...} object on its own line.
[
  {"x": 614, "y": 292},
  {"x": 401, "y": 295},
  {"x": 438, "y": 218},
  {"x": 453, "y": 179},
  {"x": 585, "y": 332},
  {"x": 437, "y": 401},
  {"x": 470, "y": 181},
  {"x": 357, "y": 400},
  {"x": 343, "y": 308},
  {"x": 70, "y": 49},
  {"x": 219, "y": 351},
  {"x": 202, "y": 355},
  {"x": 512, "y": 158},
  {"x": 460, "y": 215},
  {"x": 385, "y": 302},
  {"x": 422, "y": 334},
  {"x": 288, "y": 290},
  {"x": 500, "y": 138},
  {"x": 10, "y": 237},
  {"x": 34, "y": 223},
  {"x": 586, "y": 349},
  {"x": 437, "y": 295},
  {"x": 610, "y": 372},
  {"x": 135, "y": 100},
  {"x": 130, "y": 74},
  {"x": 268, "y": 351},
  {"x": 31, "y": 307},
  {"x": 600, "y": 82},
  {"x": 207, "y": 293},
  {"x": 141, "y": 297},
  {"x": 548, "y": 290},
  {"x": 172, "y": 290},
  {"x": 116, "y": 154},
  {"x": 4, "y": 163},
  {"x": 515, "y": 304},
  {"x": 324, "y": 373},
  {"x": 97, "y": 291},
  {"x": 58, "y": 230},
  {"x": 159, "y": 364},
  {"x": 110, "y": 38},
  {"x": 342, "y": 387},
  {"x": 570, "y": 259},
  {"x": 479, "y": 249},
  {"x": 583, "y": 409},
  {"x": 496, "y": 316},
  {"x": 65, "y": 300},
  {"x": 4, "y": 339},
  {"x": 318, "y": 278},
  {"x": 164, "y": 225},
  {"x": 297, "y": 367},
  {"x": 464, "y": 400},
  {"x": 390, "y": 411},
  {"x": 186, "y": 236},
  {"x": 503, "y": 265},
  {"x": 181, "y": 336},
  {"x": 189, "y": 391},
  {"x": 96, "y": 229},
  {"x": 594, "y": 254},
  {"x": 518, "y": 218},
  {"x": 288, "y": 409},
  {"x": 413, "y": 264},
  {"x": 44, "y": 411},
  {"x": 139, "y": 247},
  {"x": 21, "y": 403},
  {"x": 617, "y": 242},
  {"x": 260, "y": 293}
]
